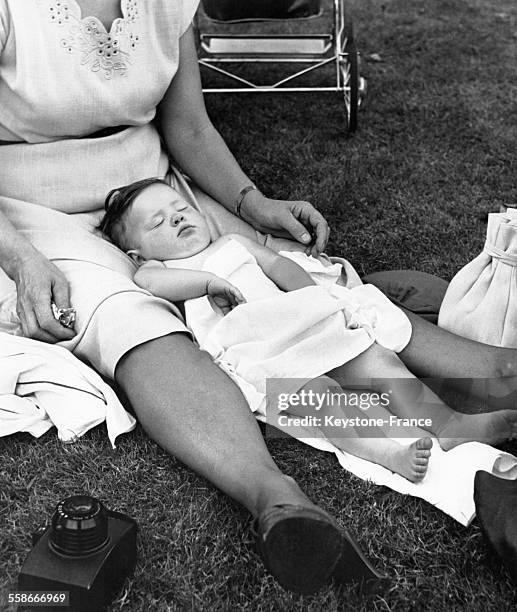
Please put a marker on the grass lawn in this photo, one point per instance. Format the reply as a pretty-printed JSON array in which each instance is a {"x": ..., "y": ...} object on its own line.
[{"x": 435, "y": 151}]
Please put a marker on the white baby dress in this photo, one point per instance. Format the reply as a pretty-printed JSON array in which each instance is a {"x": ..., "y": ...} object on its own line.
[{"x": 296, "y": 335}]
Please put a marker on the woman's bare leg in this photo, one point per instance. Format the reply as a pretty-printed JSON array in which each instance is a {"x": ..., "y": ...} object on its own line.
[
  {"x": 195, "y": 412},
  {"x": 382, "y": 370},
  {"x": 483, "y": 371}
]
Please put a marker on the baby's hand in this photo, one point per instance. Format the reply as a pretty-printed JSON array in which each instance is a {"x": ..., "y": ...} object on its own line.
[{"x": 223, "y": 295}]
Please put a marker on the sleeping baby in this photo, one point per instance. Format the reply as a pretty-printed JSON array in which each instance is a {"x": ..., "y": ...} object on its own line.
[{"x": 261, "y": 316}]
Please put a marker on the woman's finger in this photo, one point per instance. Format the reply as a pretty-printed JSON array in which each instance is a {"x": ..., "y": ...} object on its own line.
[
  {"x": 27, "y": 318},
  {"x": 47, "y": 322},
  {"x": 322, "y": 231},
  {"x": 313, "y": 219},
  {"x": 61, "y": 293},
  {"x": 23, "y": 320},
  {"x": 31, "y": 328},
  {"x": 310, "y": 229},
  {"x": 321, "y": 242},
  {"x": 296, "y": 229}
]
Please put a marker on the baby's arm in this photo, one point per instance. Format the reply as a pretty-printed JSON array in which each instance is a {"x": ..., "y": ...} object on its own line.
[
  {"x": 286, "y": 274},
  {"x": 173, "y": 284},
  {"x": 177, "y": 285}
]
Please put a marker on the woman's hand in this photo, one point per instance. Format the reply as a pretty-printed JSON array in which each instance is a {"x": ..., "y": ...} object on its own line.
[
  {"x": 223, "y": 294},
  {"x": 298, "y": 220},
  {"x": 39, "y": 283}
]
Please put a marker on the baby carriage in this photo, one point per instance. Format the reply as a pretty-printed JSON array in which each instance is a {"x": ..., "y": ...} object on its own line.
[{"x": 231, "y": 34}]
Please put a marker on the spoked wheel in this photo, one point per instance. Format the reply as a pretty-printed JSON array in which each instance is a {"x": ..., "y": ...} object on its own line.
[{"x": 349, "y": 68}]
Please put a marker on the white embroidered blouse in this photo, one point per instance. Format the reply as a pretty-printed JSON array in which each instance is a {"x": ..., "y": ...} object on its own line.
[{"x": 63, "y": 75}]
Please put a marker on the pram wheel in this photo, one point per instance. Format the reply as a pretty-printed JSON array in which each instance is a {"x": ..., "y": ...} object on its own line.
[
  {"x": 349, "y": 72},
  {"x": 303, "y": 52}
]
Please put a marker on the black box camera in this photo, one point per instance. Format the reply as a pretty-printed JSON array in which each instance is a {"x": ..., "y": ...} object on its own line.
[{"x": 87, "y": 551}]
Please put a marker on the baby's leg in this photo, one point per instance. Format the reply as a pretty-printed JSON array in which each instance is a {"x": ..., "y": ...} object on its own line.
[
  {"x": 381, "y": 370},
  {"x": 409, "y": 461}
]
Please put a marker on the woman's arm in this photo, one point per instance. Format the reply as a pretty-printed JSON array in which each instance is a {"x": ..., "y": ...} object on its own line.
[
  {"x": 285, "y": 273},
  {"x": 38, "y": 283},
  {"x": 201, "y": 152},
  {"x": 191, "y": 137}
]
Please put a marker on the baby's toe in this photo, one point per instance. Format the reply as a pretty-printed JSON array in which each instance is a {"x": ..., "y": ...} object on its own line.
[
  {"x": 424, "y": 444},
  {"x": 418, "y": 476}
]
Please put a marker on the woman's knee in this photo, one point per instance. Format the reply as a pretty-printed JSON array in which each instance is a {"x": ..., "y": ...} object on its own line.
[{"x": 175, "y": 359}]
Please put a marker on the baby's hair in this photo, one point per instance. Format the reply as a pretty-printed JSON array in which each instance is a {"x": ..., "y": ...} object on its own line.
[{"x": 117, "y": 203}]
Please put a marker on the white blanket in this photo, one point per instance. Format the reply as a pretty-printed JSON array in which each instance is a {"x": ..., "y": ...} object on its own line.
[
  {"x": 449, "y": 482},
  {"x": 44, "y": 385}
]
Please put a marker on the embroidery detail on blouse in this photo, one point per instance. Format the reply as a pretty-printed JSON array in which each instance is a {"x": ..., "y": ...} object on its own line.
[{"x": 104, "y": 51}]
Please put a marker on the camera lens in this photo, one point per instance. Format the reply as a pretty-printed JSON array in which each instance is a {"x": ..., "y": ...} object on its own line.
[{"x": 79, "y": 526}]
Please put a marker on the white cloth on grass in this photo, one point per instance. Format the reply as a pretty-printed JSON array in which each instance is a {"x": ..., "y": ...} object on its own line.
[
  {"x": 44, "y": 385},
  {"x": 449, "y": 482}
]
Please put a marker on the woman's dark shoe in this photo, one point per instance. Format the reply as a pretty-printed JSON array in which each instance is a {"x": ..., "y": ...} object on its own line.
[
  {"x": 303, "y": 547},
  {"x": 353, "y": 566}
]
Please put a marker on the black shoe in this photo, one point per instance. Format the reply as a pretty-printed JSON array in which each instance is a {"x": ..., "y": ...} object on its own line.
[{"x": 304, "y": 547}]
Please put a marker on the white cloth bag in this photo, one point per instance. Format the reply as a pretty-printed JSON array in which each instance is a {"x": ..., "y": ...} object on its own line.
[{"x": 481, "y": 301}]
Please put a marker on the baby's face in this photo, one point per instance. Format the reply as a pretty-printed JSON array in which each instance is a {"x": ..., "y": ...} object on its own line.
[{"x": 161, "y": 225}]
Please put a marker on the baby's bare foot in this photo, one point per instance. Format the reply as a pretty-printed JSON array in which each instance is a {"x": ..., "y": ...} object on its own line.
[
  {"x": 411, "y": 461},
  {"x": 491, "y": 428}
]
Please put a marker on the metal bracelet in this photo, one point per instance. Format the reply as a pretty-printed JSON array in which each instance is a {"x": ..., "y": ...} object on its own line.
[{"x": 240, "y": 198}]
